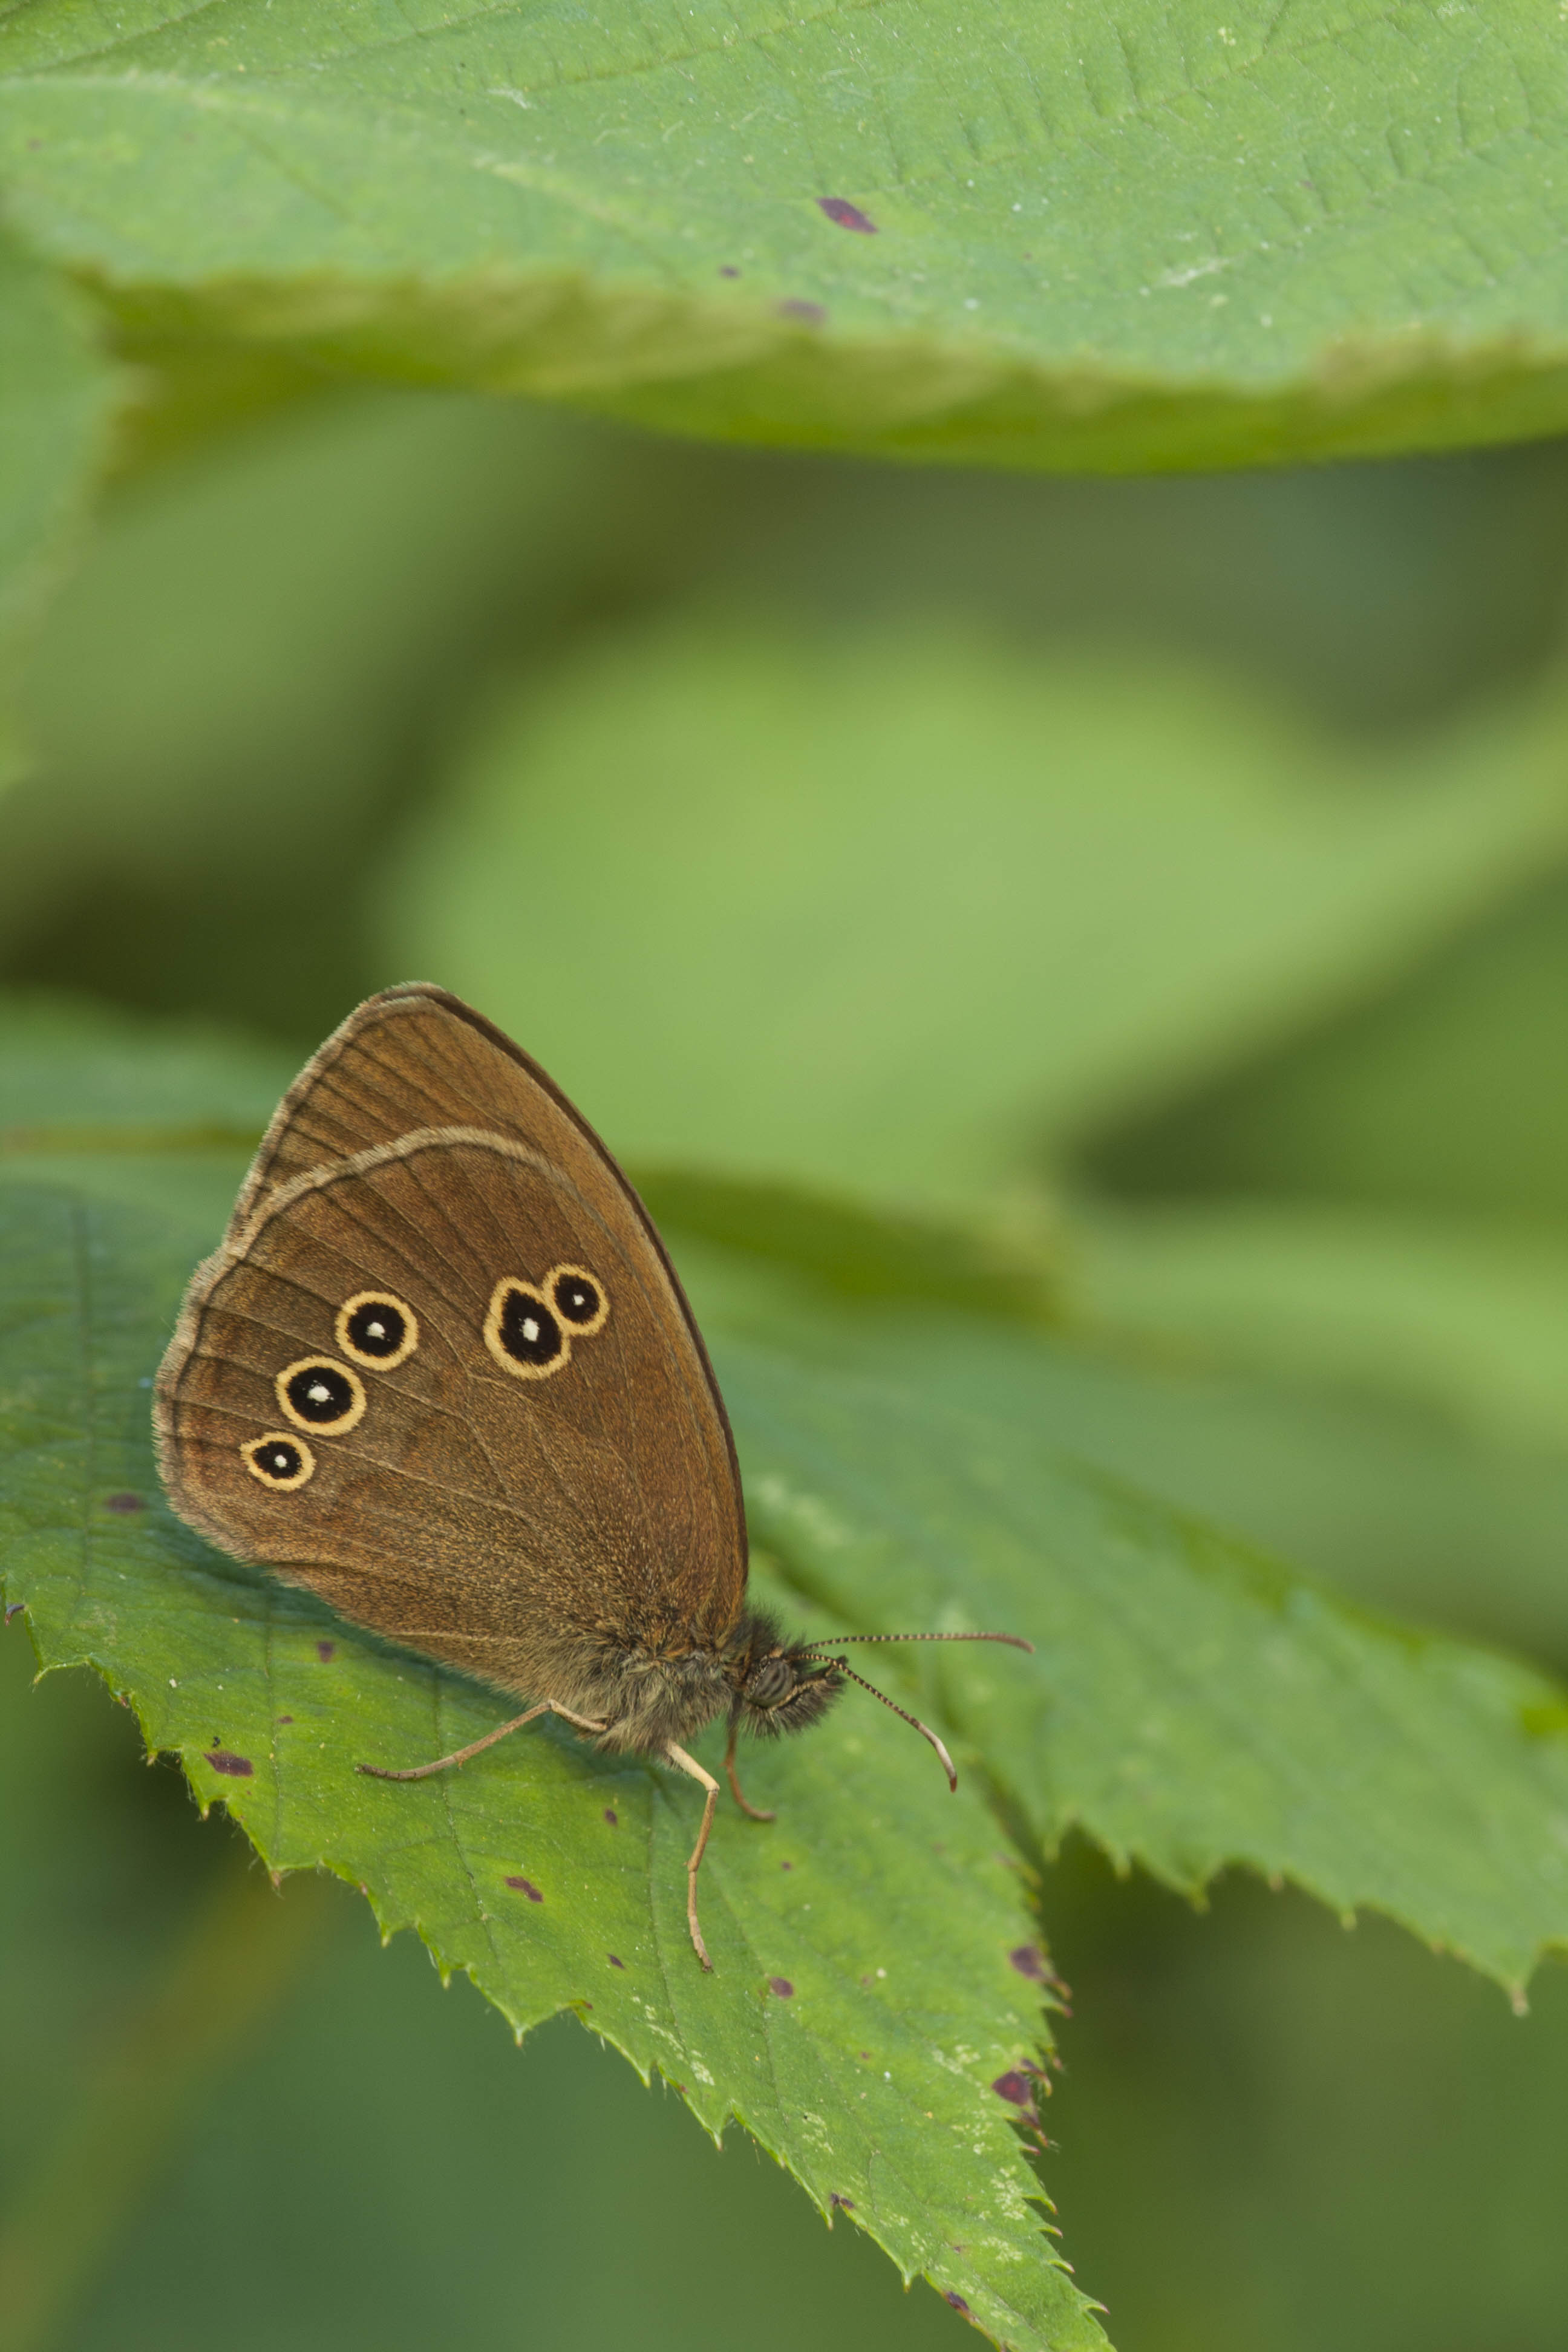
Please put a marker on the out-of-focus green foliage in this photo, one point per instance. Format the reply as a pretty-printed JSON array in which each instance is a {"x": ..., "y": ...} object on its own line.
[
  {"x": 880, "y": 913},
  {"x": 55, "y": 392},
  {"x": 1441, "y": 1095},
  {"x": 1297, "y": 1279}
]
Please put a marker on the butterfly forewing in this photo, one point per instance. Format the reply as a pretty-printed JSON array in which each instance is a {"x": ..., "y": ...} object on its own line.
[{"x": 492, "y": 1497}]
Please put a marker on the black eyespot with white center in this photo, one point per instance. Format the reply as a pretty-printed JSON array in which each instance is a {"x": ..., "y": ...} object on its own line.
[
  {"x": 278, "y": 1461},
  {"x": 579, "y": 1298},
  {"x": 322, "y": 1395},
  {"x": 377, "y": 1329},
  {"x": 523, "y": 1332}
]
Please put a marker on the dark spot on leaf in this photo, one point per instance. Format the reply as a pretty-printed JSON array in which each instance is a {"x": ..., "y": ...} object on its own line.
[
  {"x": 609, "y": 1816},
  {"x": 1029, "y": 1961},
  {"x": 728, "y": 270},
  {"x": 615, "y": 1959},
  {"x": 786, "y": 1866},
  {"x": 958, "y": 2304},
  {"x": 223, "y": 1759},
  {"x": 865, "y": 2053},
  {"x": 14, "y": 1609},
  {"x": 123, "y": 1503},
  {"x": 844, "y": 2204},
  {"x": 326, "y": 1650},
  {"x": 1015, "y": 2088},
  {"x": 809, "y": 314},
  {"x": 285, "y": 1718},
  {"x": 782, "y": 1986},
  {"x": 526, "y": 1886},
  {"x": 848, "y": 216}
]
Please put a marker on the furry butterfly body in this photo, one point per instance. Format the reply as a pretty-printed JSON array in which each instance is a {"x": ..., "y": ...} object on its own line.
[{"x": 441, "y": 1371}]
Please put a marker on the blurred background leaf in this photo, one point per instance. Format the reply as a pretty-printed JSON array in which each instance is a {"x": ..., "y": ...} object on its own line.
[
  {"x": 56, "y": 398},
  {"x": 877, "y": 914}
]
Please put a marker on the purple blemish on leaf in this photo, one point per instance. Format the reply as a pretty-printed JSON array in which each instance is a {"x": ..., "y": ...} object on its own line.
[
  {"x": 610, "y": 1816},
  {"x": 848, "y": 216},
  {"x": 223, "y": 1759},
  {"x": 786, "y": 1866},
  {"x": 525, "y": 1886},
  {"x": 1015, "y": 2088},
  {"x": 123, "y": 1502},
  {"x": 14, "y": 1609},
  {"x": 1029, "y": 1961},
  {"x": 326, "y": 1651},
  {"x": 285, "y": 1718},
  {"x": 728, "y": 270},
  {"x": 809, "y": 314},
  {"x": 843, "y": 2204},
  {"x": 958, "y": 2303},
  {"x": 783, "y": 1986},
  {"x": 615, "y": 1959}
]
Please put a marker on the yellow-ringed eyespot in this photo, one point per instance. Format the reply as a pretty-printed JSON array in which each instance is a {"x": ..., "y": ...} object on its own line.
[
  {"x": 322, "y": 1395},
  {"x": 579, "y": 1298},
  {"x": 523, "y": 1332},
  {"x": 279, "y": 1460},
  {"x": 377, "y": 1329}
]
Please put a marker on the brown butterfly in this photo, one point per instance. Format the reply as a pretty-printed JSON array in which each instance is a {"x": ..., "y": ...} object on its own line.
[{"x": 441, "y": 1371}]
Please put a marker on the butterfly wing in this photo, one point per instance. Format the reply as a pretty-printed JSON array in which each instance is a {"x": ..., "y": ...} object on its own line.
[{"x": 442, "y": 1372}]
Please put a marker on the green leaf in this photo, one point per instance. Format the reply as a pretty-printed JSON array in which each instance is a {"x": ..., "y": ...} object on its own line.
[
  {"x": 1074, "y": 236},
  {"x": 1398, "y": 1480},
  {"x": 56, "y": 395},
  {"x": 877, "y": 1973},
  {"x": 891, "y": 916},
  {"x": 1191, "y": 1706}
]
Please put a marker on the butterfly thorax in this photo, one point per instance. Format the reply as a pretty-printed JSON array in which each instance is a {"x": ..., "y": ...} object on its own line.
[{"x": 649, "y": 1693}]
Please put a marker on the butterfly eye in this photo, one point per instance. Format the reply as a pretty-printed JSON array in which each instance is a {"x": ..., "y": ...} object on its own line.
[
  {"x": 579, "y": 1298},
  {"x": 316, "y": 1393},
  {"x": 523, "y": 1333},
  {"x": 278, "y": 1461},
  {"x": 375, "y": 1328}
]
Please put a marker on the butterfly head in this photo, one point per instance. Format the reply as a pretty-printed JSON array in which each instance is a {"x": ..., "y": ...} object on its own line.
[
  {"x": 781, "y": 1686},
  {"x": 778, "y": 1685}
]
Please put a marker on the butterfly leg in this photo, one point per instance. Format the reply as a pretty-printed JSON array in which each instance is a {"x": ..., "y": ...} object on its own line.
[
  {"x": 753, "y": 1812},
  {"x": 476, "y": 1747},
  {"x": 689, "y": 1764}
]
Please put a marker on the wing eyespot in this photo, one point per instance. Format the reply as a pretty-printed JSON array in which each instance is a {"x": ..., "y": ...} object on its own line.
[
  {"x": 579, "y": 1298},
  {"x": 523, "y": 1332},
  {"x": 319, "y": 1394},
  {"x": 278, "y": 1461},
  {"x": 378, "y": 1330}
]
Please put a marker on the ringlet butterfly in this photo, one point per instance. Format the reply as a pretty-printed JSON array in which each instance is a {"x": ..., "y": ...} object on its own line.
[{"x": 442, "y": 1372}]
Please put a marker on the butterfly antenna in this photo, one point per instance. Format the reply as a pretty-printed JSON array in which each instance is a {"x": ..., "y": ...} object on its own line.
[
  {"x": 836, "y": 1641},
  {"x": 912, "y": 1721}
]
